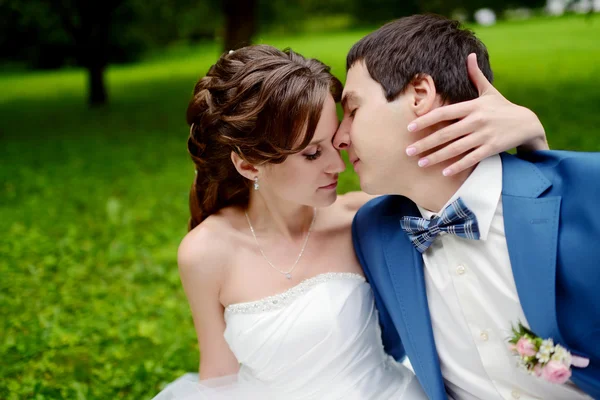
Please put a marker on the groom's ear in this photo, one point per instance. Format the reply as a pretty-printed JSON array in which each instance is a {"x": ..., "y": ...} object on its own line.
[{"x": 424, "y": 94}]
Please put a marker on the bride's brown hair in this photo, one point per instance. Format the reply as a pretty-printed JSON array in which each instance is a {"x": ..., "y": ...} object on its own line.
[{"x": 260, "y": 102}]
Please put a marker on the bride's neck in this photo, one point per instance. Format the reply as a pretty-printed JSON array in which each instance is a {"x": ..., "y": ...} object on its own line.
[{"x": 291, "y": 220}]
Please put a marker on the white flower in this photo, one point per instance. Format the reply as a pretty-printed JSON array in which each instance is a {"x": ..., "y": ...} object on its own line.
[
  {"x": 547, "y": 346},
  {"x": 545, "y": 351},
  {"x": 562, "y": 355},
  {"x": 544, "y": 358}
]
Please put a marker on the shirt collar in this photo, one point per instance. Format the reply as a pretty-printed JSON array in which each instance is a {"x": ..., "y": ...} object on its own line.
[{"x": 480, "y": 192}]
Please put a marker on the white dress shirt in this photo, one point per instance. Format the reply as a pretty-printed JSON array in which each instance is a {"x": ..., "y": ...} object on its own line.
[{"x": 473, "y": 302}]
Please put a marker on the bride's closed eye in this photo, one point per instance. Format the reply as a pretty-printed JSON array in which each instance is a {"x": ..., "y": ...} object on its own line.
[{"x": 313, "y": 156}]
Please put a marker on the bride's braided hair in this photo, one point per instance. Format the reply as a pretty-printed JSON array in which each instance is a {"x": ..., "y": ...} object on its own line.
[{"x": 260, "y": 102}]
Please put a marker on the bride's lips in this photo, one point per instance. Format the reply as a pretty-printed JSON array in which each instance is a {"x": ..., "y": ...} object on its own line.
[
  {"x": 355, "y": 164},
  {"x": 330, "y": 186}
]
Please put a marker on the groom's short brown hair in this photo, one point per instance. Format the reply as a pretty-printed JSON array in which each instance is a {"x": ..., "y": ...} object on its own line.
[{"x": 428, "y": 44}]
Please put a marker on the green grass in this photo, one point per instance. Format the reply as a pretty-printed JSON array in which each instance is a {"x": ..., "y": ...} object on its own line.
[{"x": 93, "y": 203}]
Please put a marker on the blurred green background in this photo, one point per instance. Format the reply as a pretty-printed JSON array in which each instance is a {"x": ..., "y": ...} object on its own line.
[{"x": 94, "y": 195}]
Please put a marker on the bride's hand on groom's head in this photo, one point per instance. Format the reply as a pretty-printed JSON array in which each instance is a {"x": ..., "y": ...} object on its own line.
[{"x": 487, "y": 125}]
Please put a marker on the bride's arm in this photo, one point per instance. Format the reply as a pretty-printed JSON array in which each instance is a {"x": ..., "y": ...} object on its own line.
[
  {"x": 201, "y": 270},
  {"x": 487, "y": 125},
  {"x": 352, "y": 201}
]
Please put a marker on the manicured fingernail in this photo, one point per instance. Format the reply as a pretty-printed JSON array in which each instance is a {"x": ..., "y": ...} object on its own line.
[
  {"x": 411, "y": 151},
  {"x": 423, "y": 162},
  {"x": 411, "y": 127},
  {"x": 447, "y": 172}
]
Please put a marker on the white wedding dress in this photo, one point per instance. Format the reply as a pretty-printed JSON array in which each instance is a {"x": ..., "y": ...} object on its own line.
[{"x": 318, "y": 340}]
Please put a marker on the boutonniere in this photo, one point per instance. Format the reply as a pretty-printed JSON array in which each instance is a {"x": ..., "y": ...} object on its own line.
[{"x": 541, "y": 357}]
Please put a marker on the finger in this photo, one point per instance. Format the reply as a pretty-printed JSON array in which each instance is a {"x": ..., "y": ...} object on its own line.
[
  {"x": 454, "y": 149},
  {"x": 469, "y": 160},
  {"x": 476, "y": 75},
  {"x": 443, "y": 136},
  {"x": 445, "y": 113}
]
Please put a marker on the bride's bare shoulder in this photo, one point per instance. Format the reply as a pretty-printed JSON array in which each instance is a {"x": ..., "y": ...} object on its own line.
[{"x": 206, "y": 249}]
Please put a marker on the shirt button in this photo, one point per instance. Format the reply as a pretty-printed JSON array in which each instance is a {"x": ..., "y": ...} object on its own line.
[
  {"x": 516, "y": 394},
  {"x": 460, "y": 270},
  {"x": 484, "y": 336}
]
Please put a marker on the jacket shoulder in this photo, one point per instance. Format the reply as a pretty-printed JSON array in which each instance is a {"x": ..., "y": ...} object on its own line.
[{"x": 559, "y": 159}]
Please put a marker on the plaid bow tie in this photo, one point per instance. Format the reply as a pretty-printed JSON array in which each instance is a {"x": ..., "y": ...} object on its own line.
[{"x": 456, "y": 219}]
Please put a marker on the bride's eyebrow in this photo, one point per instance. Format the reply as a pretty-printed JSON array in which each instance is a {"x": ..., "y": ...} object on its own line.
[{"x": 315, "y": 142}]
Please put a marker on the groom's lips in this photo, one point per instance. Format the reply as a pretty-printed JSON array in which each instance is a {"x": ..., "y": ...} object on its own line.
[{"x": 355, "y": 163}]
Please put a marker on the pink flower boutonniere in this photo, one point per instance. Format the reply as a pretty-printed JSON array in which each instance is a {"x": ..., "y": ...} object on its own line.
[{"x": 541, "y": 357}]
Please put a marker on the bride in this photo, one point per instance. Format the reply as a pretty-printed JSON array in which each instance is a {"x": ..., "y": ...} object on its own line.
[{"x": 279, "y": 302}]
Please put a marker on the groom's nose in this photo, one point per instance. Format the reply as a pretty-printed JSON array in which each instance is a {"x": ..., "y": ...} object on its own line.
[{"x": 341, "y": 140}]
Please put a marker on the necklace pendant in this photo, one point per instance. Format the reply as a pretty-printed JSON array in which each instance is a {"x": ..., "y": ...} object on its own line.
[{"x": 288, "y": 275}]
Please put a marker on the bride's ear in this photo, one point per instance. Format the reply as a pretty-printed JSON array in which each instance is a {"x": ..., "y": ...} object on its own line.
[
  {"x": 422, "y": 89},
  {"x": 243, "y": 167}
]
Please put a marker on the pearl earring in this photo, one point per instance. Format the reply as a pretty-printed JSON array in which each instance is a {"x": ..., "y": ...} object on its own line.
[{"x": 256, "y": 183}]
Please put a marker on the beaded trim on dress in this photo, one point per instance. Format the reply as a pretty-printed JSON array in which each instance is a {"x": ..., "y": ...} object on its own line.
[{"x": 282, "y": 299}]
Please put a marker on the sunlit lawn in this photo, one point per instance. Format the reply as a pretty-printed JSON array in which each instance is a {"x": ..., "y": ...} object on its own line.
[{"x": 93, "y": 203}]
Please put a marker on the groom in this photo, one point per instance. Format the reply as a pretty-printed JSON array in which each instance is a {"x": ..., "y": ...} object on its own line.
[{"x": 455, "y": 262}]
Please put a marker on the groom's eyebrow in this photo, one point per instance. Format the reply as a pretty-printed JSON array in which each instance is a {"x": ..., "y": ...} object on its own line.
[{"x": 348, "y": 97}]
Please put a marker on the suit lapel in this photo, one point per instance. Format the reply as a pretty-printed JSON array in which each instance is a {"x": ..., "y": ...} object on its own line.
[
  {"x": 531, "y": 226},
  {"x": 405, "y": 267}
]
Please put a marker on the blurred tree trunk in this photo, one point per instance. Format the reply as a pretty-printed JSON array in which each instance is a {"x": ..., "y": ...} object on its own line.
[
  {"x": 97, "y": 88},
  {"x": 240, "y": 22},
  {"x": 88, "y": 24}
]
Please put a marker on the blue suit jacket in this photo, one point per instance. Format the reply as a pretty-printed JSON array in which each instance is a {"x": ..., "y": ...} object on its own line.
[{"x": 551, "y": 207}]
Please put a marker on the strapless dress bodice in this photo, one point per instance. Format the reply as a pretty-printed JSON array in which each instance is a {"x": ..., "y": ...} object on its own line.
[{"x": 318, "y": 340}]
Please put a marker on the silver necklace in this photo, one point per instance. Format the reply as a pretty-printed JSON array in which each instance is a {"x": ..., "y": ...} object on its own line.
[{"x": 288, "y": 274}]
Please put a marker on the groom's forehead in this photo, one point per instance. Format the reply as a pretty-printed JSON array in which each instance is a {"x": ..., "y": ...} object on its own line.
[
  {"x": 359, "y": 85},
  {"x": 352, "y": 85},
  {"x": 354, "y": 72},
  {"x": 358, "y": 76}
]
